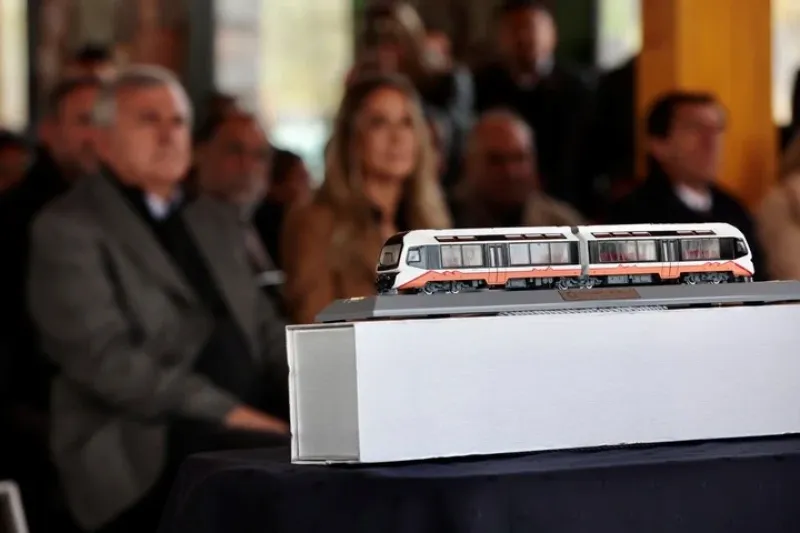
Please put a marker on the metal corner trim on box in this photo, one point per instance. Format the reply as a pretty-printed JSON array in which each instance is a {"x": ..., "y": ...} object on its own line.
[{"x": 500, "y": 301}]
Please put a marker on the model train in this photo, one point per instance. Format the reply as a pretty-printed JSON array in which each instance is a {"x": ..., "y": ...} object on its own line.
[{"x": 433, "y": 261}]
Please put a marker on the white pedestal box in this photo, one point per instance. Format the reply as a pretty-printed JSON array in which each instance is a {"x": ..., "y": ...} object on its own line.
[{"x": 384, "y": 391}]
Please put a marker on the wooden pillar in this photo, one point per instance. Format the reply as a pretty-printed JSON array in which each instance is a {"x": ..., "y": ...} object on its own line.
[{"x": 724, "y": 47}]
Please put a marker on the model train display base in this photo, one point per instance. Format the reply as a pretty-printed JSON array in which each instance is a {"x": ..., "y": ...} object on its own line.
[
  {"x": 398, "y": 390},
  {"x": 492, "y": 302}
]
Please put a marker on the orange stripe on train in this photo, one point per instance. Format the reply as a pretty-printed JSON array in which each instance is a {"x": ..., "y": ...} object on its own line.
[{"x": 500, "y": 277}]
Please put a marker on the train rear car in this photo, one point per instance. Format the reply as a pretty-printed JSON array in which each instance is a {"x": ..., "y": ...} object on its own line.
[{"x": 666, "y": 253}]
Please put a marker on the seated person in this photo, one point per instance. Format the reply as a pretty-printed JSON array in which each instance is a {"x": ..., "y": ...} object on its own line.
[
  {"x": 381, "y": 179},
  {"x": 501, "y": 186},
  {"x": 685, "y": 131}
]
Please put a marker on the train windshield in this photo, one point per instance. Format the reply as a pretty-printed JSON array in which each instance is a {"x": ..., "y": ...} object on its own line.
[
  {"x": 741, "y": 248},
  {"x": 390, "y": 257}
]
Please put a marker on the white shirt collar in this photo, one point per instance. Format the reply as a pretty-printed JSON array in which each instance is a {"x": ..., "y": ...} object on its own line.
[
  {"x": 160, "y": 208},
  {"x": 693, "y": 199}
]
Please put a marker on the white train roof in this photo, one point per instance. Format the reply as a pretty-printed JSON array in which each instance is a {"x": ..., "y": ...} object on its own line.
[
  {"x": 435, "y": 236},
  {"x": 717, "y": 227}
]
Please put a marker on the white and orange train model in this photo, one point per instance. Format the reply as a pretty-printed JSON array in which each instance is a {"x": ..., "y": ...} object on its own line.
[{"x": 434, "y": 261}]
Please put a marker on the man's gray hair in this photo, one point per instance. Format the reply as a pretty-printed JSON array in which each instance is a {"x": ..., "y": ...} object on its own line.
[{"x": 133, "y": 77}]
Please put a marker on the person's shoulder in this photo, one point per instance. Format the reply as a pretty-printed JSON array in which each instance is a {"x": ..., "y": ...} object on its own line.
[
  {"x": 574, "y": 77},
  {"x": 68, "y": 213},
  {"x": 563, "y": 213},
  {"x": 209, "y": 206}
]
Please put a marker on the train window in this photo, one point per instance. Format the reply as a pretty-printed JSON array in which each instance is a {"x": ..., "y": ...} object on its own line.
[
  {"x": 646, "y": 251},
  {"x": 559, "y": 253},
  {"x": 618, "y": 252},
  {"x": 608, "y": 252},
  {"x": 741, "y": 248},
  {"x": 540, "y": 253},
  {"x": 700, "y": 249},
  {"x": 518, "y": 254},
  {"x": 414, "y": 256},
  {"x": 451, "y": 256},
  {"x": 627, "y": 250},
  {"x": 390, "y": 255},
  {"x": 472, "y": 255}
]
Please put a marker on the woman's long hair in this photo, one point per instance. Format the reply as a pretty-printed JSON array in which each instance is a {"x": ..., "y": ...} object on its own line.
[{"x": 342, "y": 190}]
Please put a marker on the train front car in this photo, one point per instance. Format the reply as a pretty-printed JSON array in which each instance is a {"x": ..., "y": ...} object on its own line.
[
  {"x": 435, "y": 261},
  {"x": 666, "y": 253},
  {"x": 402, "y": 259}
]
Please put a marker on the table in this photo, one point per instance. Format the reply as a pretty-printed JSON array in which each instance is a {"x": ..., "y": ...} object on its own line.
[{"x": 743, "y": 486}]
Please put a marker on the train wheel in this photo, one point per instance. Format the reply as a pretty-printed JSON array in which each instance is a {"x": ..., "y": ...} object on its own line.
[
  {"x": 563, "y": 284},
  {"x": 455, "y": 287},
  {"x": 428, "y": 289}
]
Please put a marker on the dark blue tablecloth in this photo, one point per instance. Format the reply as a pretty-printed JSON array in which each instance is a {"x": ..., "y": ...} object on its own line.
[{"x": 713, "y": 487}]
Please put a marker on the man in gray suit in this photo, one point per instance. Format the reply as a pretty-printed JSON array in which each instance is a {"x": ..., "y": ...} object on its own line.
[{"x": 144, "y": 298}]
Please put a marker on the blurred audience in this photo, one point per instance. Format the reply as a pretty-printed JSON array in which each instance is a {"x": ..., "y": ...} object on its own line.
[
  {"x": 162, "y": 340},
  {"x": 615, "y": 135},
  {"x": 438, "y": 49},
  {"x": 685, "y": 133},
  {"x": 67, "y": 151},
  {"x": 289, "y": 184},
  {"x": 380, "y": 179},
  {"x": 501, "y": 181},
  {"x": 15, "y": 159},
  {"x": 91, "y": 60},
  {"x": 778, "y": 219},
  {"x": 555, "y": 99},
  {"x": 396, "y": 41},
  {"x": 232, "y": 162},
  {"x": 160, "y": 273}
]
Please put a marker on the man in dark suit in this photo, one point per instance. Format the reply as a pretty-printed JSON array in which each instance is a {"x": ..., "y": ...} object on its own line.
[
  {"x": 685, "y": 133},
  {"x": 144, "y": 299},
  {"x": 66, "y": 153},
  {"x": 555, "y": 99},
  {"x": 232, "y": 161}
]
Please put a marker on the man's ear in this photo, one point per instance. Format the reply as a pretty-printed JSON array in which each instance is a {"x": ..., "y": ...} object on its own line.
[{"x": 657, "y": 147}]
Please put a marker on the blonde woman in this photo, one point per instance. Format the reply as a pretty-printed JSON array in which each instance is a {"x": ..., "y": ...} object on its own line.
[
  {"x": 380, "y": 179},
  {"x": 396, "y": 40},
  {"x": 778, "y": 219}
]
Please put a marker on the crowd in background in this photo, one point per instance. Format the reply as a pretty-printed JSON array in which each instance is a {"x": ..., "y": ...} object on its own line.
[{"x": 150, "y": 263}]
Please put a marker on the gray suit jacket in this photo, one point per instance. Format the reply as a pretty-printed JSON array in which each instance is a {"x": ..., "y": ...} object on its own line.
[{"x": 117, "y": 318}]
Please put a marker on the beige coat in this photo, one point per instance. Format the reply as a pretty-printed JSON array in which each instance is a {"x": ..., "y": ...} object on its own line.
[
  {"x": 778, "y": 226},
  {"x": 313, "y": 279}
]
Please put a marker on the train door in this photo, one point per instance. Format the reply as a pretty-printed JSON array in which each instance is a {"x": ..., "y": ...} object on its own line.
[
  {"x": 670, "y": 255},
  {"x": 496, "y": 253}
]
